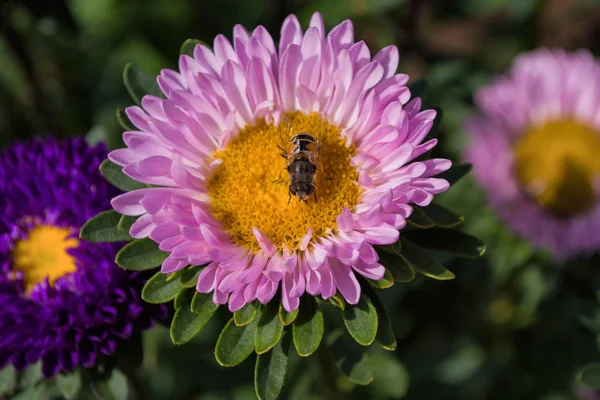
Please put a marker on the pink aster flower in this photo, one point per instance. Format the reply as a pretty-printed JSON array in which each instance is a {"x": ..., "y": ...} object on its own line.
[
  {"x": 220, "y": 191},
  {"x": 534, "y": 146}
]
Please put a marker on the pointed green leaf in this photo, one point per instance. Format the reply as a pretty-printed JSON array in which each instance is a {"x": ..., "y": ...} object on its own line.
[
  {"x": 8, "y": 380},
  {"x": 202, "y": 303},
  {"x": 158, "y": 290},
  {"x": 124, "y": 121},
  {"x": 308, "y": 327},
  {"x": 270, "y": 369},
  {"x": 361, "y": 321},
  {"x": 287, "y": 317},
  {"x": 125, "y": 223},
  {"x": 68, "y": 384},
  {"x": 441, "y": 216},
  {"x": 455, "y": 173},
  {"x": 189, "y": 45},
  {"x": 184, "y": 299},
  {"x": 423, "y": 263},
  {"x": 591, "y": 376},
  {"x": 399, "y": 267},
  {"x": 187, "y": 324},
  {"x": 338, "y": 301},
  {"x": 245, "y": 315},
  {"x": 419, "y": 219},
  {"x": 385, "y": 282},
  {"x": 103, "y": 228},
  {"x": 115, "y": 175},
  {"x": 235, "y": 343},
  {"x": 385, "y": 334},
  {"x": 448, "y": 240},
  {"x": 189, "y": 276},
  {"x": 351, "y": 358},
  {"x": 139, "y": 83},
  {"x": 270, "y": 328},
  {"x": 140, "y": 255},
  {"x": 393, "y": 380}
]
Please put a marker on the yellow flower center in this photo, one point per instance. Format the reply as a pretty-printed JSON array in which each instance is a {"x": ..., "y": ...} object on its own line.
[
  {"x": 558, "y": 163},
  {"x": 250, "y": 187},
  {"x": 44, "y": 254}
]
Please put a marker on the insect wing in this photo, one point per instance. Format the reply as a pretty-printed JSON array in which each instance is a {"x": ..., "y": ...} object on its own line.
[{"x": 286, "y": 131}]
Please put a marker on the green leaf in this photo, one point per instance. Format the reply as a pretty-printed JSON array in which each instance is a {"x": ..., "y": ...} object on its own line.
[
  {"x": 189, "y": 45},
  {"x": 423, "y": 263},
  {"x": 393, "y": 380},
  {"x": 139, "y": 84},
  {"x": 287, "y": 317},
  {"x": 351, "y": 358},
  {"x": 441, "y": 216},
  {"x": 158, "y": 290},
  {"x": 270, "y": 328},
  {"x": 245, "y": 315},
  {"x": 202, "y": 303},
  {"x": 591, "y": 376},
  {"x": 419, "y": 219},
  {"x": 116, "y": 388},
  {"x": 125, "y": 223},
  {"x": 140, "y": 255},
  {"x": 399, "y": 266},
  {"x": 361, "y": 321},
  {"x": 31, "y": 375},
  {"x": 184, "y": 299},
  {"x": 103, "y": 228},
  {"x": 8, "y": 380},
  {"x": 385, "y": 334},
  {"x": 115, "y": 175},
  {"x": 124, "y": 120},
  {"x": 455, "y": 173},
  {"x": 308, "y": 328},
  {"x": 235, "y": 343},
  {"x": 68, "y": 384},
  {"x": 338, "y": 301},
  {"x": 186, "y": 324},
  {"x": 448, "y": 240},
  {"x": 189, "y": 276},
  {"x": 270, "y": 369},
  {"x": 385, "y": 282}
]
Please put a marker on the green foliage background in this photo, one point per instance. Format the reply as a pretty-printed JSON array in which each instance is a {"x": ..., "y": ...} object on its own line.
[{"x": 508, "y": 326}]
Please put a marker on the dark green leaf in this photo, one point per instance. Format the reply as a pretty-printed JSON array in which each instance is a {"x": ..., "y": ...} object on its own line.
[
  {"x": 441, "y": 216},
  {"x": 158, "y": 290},
  {"x": 184, "y": 298},
  {"x": 103, "y": 228},
  {"x": 400, "y": 268},
  {"x": 139, "y": 84},
  {"x": 270, "y": 369},
  {"x": 385, "y": 282},
  {"x": 423, "y": 263},
  {"x": 338, "y": 301},
  {"x": 287, "y": 317},
  {"x": 385, "y": 334},
  {"x": 361, "y": 321},
  {"x": 189, "y": 276},
  {"x": 235, "y": 343},
  {"x": 125, "y": 223},
  {"x": 202, "y": 303},
  {"x": 591, "y": 376},
  {"x": 140, "y": 255},
  {"x": 270, "y": 328},
  {"x": 351, "y": 358},
  {"x": 186, "y": 324},
  {"x": 68, "y": 384},
  {"x": 124, "y": 120},
  {"x": 115, "y": 388},
  {"x": 245, "y": 315},
  {"x": 393, "y": 380},
  {"x": 448, "y": 240},
  {"x": 419, "y": 219},
  {"x": 115, "y": 175},
  {"x": 308, "y": 327},
  {"x": 455, "y": 173},
  {"x": 189, "y": 45}
]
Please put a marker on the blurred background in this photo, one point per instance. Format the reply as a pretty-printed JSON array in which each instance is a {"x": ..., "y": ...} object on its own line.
[{"x": 508, "y": 327}]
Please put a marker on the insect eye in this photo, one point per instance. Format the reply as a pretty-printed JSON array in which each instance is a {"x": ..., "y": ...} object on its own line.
[
  {"x": 293, "y": 189},
  {"x": 310, "y": 189}
]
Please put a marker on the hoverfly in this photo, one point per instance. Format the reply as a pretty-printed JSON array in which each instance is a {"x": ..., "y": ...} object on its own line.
[{"x": 300, "y": 150}]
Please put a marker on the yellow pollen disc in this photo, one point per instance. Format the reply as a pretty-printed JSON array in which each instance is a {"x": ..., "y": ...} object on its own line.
[
  {"x": 250, "y": 187},
  {"x": 558, "y": 163},
  {"x": 44, "y": 254}
]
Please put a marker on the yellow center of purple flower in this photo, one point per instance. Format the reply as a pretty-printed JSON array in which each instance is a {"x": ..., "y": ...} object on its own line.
[
  {"x": 250, "y": 187},
  {"x": 44, "y": 255},
  {"x": 558, "y": 163}
]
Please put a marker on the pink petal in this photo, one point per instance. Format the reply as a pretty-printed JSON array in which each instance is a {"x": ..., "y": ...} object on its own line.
[{"x": 345, "y": 281}]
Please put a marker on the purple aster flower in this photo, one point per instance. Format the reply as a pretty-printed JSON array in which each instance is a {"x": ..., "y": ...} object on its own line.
[
  {"x": 214, "y": 147},
  {"x": 534, "y": 146},
  {"x": 64, "y": 301}
]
